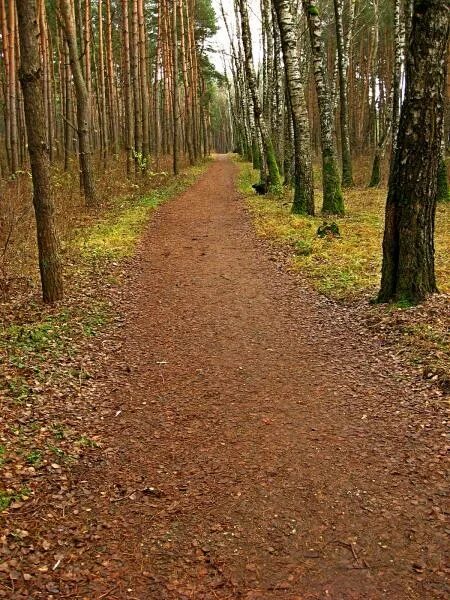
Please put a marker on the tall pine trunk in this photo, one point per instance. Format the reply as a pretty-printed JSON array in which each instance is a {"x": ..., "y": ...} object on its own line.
[
  {"x": 342, "y": 52},
  {"x": 83, "y": 104},
  {"x": 30, "y": 78}
]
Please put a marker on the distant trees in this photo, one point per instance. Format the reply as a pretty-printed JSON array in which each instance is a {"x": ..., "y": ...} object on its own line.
[
  {"x": 341, "y": 91},
  {"x": 121, "y": 80},
  {"x": 108, "y": 81},
  {"x": 272, "y": 175}
]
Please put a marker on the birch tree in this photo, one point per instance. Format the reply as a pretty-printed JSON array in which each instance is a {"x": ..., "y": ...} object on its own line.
[
  {"x": 333, "y": 200},
  {"x": 399, "y": 49},
  {"x": 408, "y": 245},
  {"x": 303, "y": 175},
  {"x": 273, "y": 175}
]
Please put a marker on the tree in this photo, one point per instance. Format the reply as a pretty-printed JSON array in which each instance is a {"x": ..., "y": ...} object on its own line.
[
  {"x": 30, "y": 75},
  {"x": 342, "y": 52},
  {"x": 175, "y": 87},
  {"x": 399, "y": 49},
  {"x": 303, "y": 177},
  {"x": 333, "y": 200},
  {"x": 408, "y": 245},
  {"x": 83, "y": 104},
  {"x": 273, "y": 174}
]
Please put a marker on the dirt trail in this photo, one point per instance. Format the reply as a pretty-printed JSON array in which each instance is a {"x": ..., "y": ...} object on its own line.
[{"x": 264, "y": 447}]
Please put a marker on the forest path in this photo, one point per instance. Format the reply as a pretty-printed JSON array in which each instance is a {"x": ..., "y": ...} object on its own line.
[{"x": 264, "y": 447}]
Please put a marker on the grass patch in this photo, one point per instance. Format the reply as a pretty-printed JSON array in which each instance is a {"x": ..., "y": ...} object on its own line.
[
  {"x": 115, "y": 237},
  {"x": 342, "y": 267},
  {"x": 7, "y": 497},
  {"x": 347, "y": 267}
]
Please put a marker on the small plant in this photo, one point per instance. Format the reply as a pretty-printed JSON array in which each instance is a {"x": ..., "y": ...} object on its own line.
[
  {"x": 302, "y": 248},
  {"x": 34, "y": 457},
  {"x": 58, "y": 431},
  {"x": 328, "y": 230},
  {"x": 19, "y": 389},
  {"x": 141, "y": 160},
  {"x": 7, "y": 497},
  {"x": 312, "y": 10},
  {"x": 2, "y": 455},
  {"x": 57, "y": 452},
  {"x": 86, "y": 442}
]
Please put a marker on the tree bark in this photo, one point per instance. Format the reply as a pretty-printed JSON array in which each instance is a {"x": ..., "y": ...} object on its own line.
[
  {"x": 144, "y": 82},
  {"x": 83, "y": 104},
  {"x": 408, "y": 245},
  {"x": 333, "y": 200},
  {"x": 30, "y": 78},
  {"x": 127, "y": 84},
  {"x": 175, "y": 87},
  {"x": 303, "y": 175},
  {"x": 342, "y": 51},
  {"x": 399, "y": 49},
  {"x": 273, "y": 174}
]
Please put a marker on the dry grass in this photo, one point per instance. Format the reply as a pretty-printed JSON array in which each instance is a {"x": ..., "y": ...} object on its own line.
[
  {"x": 347, "y": 268},
  {"x": 18, "y": 253}
]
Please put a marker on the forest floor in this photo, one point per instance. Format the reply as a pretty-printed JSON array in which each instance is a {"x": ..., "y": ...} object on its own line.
[{"x": 246, "y": 437}]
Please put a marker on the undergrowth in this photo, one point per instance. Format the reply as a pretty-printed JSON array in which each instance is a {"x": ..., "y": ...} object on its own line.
[
  {"x": 347, "y": 267},
  {"x": 114, "y": 237},
  {"x": 46, "y": 357}
]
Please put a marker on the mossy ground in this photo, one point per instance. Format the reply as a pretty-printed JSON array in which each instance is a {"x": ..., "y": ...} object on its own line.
[
  {"x": 114, "y": 237},
  {"x": 342, "y": 267},
  {"x": 347, "y": 268}
]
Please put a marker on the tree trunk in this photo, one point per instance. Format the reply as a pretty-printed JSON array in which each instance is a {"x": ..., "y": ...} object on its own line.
[
  {"x": 30, "y": 78},
  {"x": 333, "y": 200},
  {"x": 408, "y": 245},
  {"x": 136, "y": 86},
  {"x": 13, "y": 88},
  {"x": 101, "y": 85},
  {"x": 399, "y": 49},
  {"x": 144, "y": 83},
  {"x": 83, "y": 109},
  {"x": 127, "y": 84},
  {"x": 175, "y": 87},
  {"x": 273, "y": 175},
  {"x": 303, "y": 176},
  {"x": 347, "y": 171}
]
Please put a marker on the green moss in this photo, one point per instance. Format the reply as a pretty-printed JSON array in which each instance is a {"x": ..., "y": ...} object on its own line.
[
  {"x": 274, "y": 179},
  {"x": 347, "y": 170},
  {"x": 333, "y": 198},
  {"x": 375, "y": 178},
  {"x": 313, "y": 11},
  {"x": 443, "y": 194},
  {"x": 300, "y": 203}
]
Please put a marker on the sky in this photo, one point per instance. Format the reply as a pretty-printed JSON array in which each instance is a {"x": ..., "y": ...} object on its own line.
[{"x": 220, "y": 41}]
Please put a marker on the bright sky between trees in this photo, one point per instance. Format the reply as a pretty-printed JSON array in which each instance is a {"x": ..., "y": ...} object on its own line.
[{"x": 220, "y": 42}]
